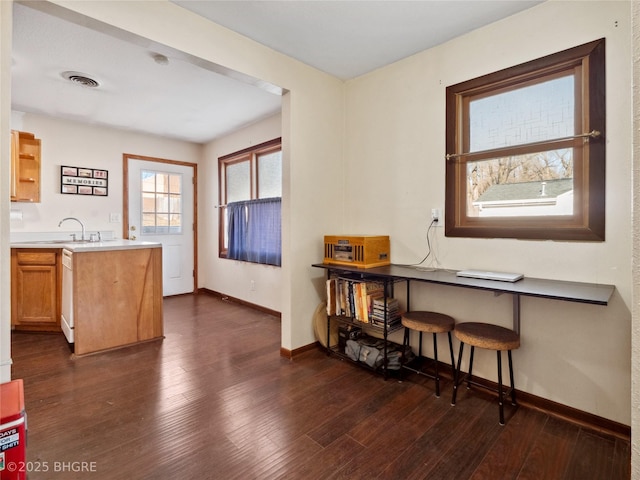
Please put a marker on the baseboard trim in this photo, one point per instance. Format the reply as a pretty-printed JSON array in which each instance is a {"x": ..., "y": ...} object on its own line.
[
  {"x": 558, "y": 410},
  {"x": 229, "y": 298},
  {"x": 576, "y": 416},
  {"x": 290, "y": 354}
]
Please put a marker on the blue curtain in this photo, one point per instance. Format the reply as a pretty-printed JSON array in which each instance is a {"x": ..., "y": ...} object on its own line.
[
  {"x": 237, "y": 222},
  {"x": 255, "y": 231}
]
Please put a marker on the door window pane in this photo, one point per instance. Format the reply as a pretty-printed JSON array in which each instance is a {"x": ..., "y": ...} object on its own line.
[{"x": 161, "y": 202}]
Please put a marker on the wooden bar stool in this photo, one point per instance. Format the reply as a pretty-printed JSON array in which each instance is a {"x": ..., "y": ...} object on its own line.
[
  {"x": 490, "y": 337},
  {"x": 427, "y": 322}
]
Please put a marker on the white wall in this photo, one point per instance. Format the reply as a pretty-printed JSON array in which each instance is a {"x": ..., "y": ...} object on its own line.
[
  {"x": 5, "y": 169},
  {"x": 80, "y": 145},
  {"x": 230, "y": 276},
  {"x": 575, "y": 354},
  {"x": 635, "y": 340}
]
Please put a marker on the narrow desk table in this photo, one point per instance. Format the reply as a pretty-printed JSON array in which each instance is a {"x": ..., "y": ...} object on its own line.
[{"x": 592, "y": 293}]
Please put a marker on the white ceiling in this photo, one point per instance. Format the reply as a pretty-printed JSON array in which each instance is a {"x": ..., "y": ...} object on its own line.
[
  {"x": 348, "y": 38},
  {"x": 191, "y": 100}
]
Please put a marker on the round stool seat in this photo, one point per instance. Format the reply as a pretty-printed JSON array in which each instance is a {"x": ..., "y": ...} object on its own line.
[
  {"x": 485, "y": 335},
  {"x": 430, "y": 322}
]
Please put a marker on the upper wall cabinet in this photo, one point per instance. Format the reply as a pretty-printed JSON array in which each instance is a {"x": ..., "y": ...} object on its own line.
[{"x": 25, "y": 167}]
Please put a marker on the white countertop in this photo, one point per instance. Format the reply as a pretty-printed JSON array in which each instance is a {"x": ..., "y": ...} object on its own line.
[{"x": 86, "y": 246}]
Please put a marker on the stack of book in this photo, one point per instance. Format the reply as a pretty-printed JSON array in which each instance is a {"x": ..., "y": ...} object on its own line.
[
  {"x": 385, "y": 309},
  {"x": 352, "y": 298}
]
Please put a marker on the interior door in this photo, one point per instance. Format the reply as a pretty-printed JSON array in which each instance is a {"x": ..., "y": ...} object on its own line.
[{"x": 160, "y": 207}]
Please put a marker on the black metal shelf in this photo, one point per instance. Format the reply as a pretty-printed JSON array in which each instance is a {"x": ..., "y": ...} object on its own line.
[
  {"x": 369, "y": 326},
  {"x": 381, "y": 369},
  {"x": 377, "y": 331}
]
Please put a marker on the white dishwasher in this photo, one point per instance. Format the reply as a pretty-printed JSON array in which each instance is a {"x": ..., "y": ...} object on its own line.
[{"x": 67, "y": 295}]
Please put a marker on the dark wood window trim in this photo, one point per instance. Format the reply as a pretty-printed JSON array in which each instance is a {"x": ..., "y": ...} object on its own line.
[
  {"x": 587, "y": 223},
  {"x": 250, "y": 155}
]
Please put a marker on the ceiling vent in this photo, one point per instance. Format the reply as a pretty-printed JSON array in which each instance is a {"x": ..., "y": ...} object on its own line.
[{"x": 80, "y": 79}]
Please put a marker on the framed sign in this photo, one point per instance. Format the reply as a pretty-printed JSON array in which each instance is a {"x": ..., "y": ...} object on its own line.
[{"x": 84, "y": 181}]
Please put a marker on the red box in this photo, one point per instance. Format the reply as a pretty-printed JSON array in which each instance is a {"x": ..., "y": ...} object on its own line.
[{"x": 13, "y": 431}]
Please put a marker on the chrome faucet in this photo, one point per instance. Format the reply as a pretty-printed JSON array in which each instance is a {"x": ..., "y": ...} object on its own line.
[{"x": 73, "y": 218}]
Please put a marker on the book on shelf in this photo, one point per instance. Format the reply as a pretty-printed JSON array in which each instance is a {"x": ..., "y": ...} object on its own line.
[
  {"x": 386, "y": 310},
  {"x": 381, "y": 323},
  {"x": 352, "y": 298},
  {"x": 331, "y": 297},
  {"x": 383, "y": 305}
]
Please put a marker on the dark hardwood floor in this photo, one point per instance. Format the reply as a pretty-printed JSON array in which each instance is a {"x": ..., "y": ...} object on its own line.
[{"x": 215, "y": 400}]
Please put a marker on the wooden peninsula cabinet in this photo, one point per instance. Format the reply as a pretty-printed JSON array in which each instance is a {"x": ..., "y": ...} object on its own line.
[
  {"x": 35, "y": 289},
  {"x": 117, "y": 298},
  {"x": 100, "y": 295}
]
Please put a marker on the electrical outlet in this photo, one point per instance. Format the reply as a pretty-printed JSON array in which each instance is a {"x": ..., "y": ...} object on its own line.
[
  {"x": 252, "y": 287},
  {"x": 435, "y": 214}
]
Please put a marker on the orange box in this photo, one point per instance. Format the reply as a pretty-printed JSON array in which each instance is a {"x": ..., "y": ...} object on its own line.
[{"x": 363, "y": 251}]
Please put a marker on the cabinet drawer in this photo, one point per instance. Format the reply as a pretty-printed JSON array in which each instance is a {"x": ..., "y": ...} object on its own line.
[{"x": 36, "y": 258}]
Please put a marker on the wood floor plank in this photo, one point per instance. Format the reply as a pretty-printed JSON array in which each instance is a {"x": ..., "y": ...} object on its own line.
[
  {"x": 390, "y": 436},
  {"x": 592, "y": 455},
  {"x": 506, "y": 457},
  {"x": 550, "y": 454},
  {"x": 410, "y": 398},
  {"x": 472, "y": 445},
  {"x": 214, "y": 399},
  {"x": 366, "y": 403},
  {"x": 437, "y": 441},
  {"x": 325, "y": 463}
]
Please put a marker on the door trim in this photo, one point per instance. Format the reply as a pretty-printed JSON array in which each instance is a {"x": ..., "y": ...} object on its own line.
[{"x": 125, "y": 201}]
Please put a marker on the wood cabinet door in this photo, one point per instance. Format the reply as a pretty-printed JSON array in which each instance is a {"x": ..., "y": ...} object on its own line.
[{"x": 35, "y": 290}]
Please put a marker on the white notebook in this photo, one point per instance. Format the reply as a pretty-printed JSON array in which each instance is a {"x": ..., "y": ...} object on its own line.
[{"x": 486, "y": 275}]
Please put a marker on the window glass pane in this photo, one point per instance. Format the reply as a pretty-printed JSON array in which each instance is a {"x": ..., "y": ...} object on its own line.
[
  {"x": 529, "y": 114},
  {"x": 524, "y": 185},
  {"x": 270, "y": 175},
  {"x": 162, "y": 182},
  {"x": 175, "y": 220},
  {"x": 148, "y": 222},
  {"x": 175, "y": 184},
  {"x": 238, "y": 182},
  {"x": 162, "y": 203},
  {"x": 157, "y": 204},
  {"x": 148, "y": 183},
  {"x": 148, "y": 202},
  {"x": 176, "y": 204},
  {"x": 162, "y": 222}
]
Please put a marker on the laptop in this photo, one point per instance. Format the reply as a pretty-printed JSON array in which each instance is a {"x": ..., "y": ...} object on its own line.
[{"x": 486, "y": 275}]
